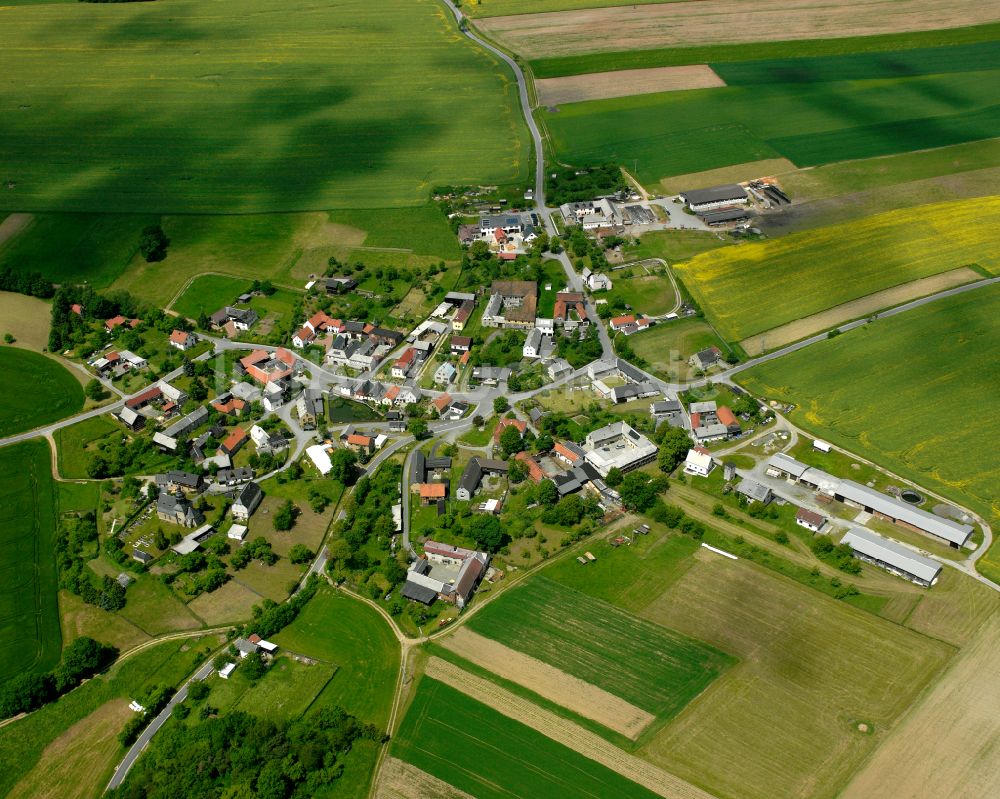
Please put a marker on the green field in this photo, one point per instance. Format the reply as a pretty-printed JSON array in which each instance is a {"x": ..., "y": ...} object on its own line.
[
  {"x": 755, "y": 287},
  {"x": 668, "y": 345},
  {"x": 586, "y": 638},
  {"x": 75, "y": 442},
  {"x": 288, "y": 688},
  {"x": 92, "y": 248},
  {"x": 726, "y": 53},
  {"x": 784, "y": 720},
  {"x": 208, "y": 293},
  {"x": 474, "y": 748},
  {"x": 932, "y": 362},
  {"x": 30, "y": 639},
  {"x": 314, "y": 107},
  {"x": 810, "y": 110},
  {"x": 55, "y": 394},
  {"x": 346, "y": 633},
  {"x": 423, "y": 229}
]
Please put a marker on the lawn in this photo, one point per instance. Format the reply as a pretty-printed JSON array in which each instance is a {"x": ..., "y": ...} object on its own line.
[
  {"x": 288, "y": 688},
  {"x": 893, "y": 414},
  {"x": 208, "y": 293},
  {"x": 422, "y": 230},
  {"x": 26, "y": 318},
  {"x": 651, "y": 294},
  {"x": 30, "y": 639},
  {"x": 784, "y": 720},
  {"x": 586, "y": 637},
  {"x": 755, "y": 287},
  {"x": 35, "y": 751},
  {"x": 477, "y": 750},
  {"x": 76, "y": 248},
  {"x": 21, "y": 410},
  {"x": 75, "y": 442},
  {"x": 317, "y": 107},
  {"x": 340, "y": 410},
  {"x": 790, "y": 109},
  {"x": 344, "y": 632},
  {"x": 673, "y": 245},
  {"x": 668, "y": 345}
]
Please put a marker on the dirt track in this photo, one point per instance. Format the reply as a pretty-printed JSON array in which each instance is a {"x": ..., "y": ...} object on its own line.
[
  {"x": 624, "y": 83},
  {"x": 565, "y": 732},
  {"x": 897, "y": 295},
  {"x": 14, "y": 224},
  {"x": 554, "y": 684},
  {"x": 561, "y": 33},
  {"x": 947, "y": 746},
  {"x": 399, "y": 780}
]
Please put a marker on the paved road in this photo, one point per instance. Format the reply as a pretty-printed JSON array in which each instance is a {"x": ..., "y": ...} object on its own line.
[{"x": 147, "y": 734}]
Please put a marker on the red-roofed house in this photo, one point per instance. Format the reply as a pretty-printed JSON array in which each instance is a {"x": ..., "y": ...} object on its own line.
[
  {"x": 504, "y": 423},
  {"x": 358, "y": 442},
  {"x": 728, "y": 418},
  {"x": 182, "y": 340},
  {"x": 76, "y": 308},
  {"x": 233, "y": 407},
  {"x": 618, "y": 322},
  {"x": 265, "y": 368},
  {"x": 114, "y": 322},
  {"x": 306, "y": 335},
  {"x": 535, "y": 473},
  {"x": 567, "y": 454},
  {"x": 432, "y": 492},
  {"x": 143, "y": 399},
  {"x": 401, "y": 368},
  {"x": 390, "y": 395},
  {"x": 234, "y": 442},
  {"x": 441, "y": 403},
  {"x": 695, "y": 421},
  {"x": 465, "y": 358}
]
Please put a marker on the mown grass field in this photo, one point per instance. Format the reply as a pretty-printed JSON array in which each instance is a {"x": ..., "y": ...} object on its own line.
[
  {"x": 476, "y": 749},
  {"x": 932, "y": 362},
  {"x": 317, "y": 107},
  {"x": 480, "y": 9},
  {"x": 80, "y": 729},
  {"x": 586, "y": 637},
  {"x": 755, "y": 287},
  {"x": 811, "y": 111},
  {"x": 55, "y": 394},
  {"x": 668, "y": 345},
  {"x": 30, "y": 639},
  {"x": 785, "y": 719},
  {"x": 345, "y": 632}
]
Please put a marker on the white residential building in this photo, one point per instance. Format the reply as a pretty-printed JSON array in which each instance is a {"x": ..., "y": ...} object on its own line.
[{"x": 698, "y": 462}]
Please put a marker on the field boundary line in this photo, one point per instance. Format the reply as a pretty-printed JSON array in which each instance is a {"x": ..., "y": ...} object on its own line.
[{"x": 564, "y": 732}]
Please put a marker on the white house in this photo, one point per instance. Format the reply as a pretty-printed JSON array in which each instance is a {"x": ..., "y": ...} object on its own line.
[
  {"x": 597, "y": 281},
  {"x": 698, "y": 462},
  {"x": 182, "y": 340},
  {"x": 532, "y": 344},
  {"x": 445, "y": 374},
  {"x": 247, "y": 501}
]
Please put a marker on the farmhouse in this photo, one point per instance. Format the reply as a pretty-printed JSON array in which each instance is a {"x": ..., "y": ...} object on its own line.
[
  {"x": 698, "y": 462},
  {"x": 234, "y": 477},
  {"x": 868, "y": 499},
  {"x": 234, "y": 442},
  {"x": 229, "y": 405},
  {"x": 472, "y": 476},
  {"x": 512, "y": 303},
  {"x": 460, "y": 344},
  {"x": 168, "y": 439},
  {"x": 430, "y": 493},
  {"x": 570, "y": 311},
  {"x": 462, "y": 315},
  {"x": 590, "y": 215},
  {"x": 246, "y": 501},
  {"x": 618, "y": 445},
  {"x": 894, "y": 558},
  {"x": 490, "y": 375},
  {"x": 132, "y": 419},
  {"x": 266, "y": 368},
  {"x": 809, "y": 519},
  {"x": 177, "y": 480},
  {"x": 596, "y": 281},
  {"x": 631, "y": 391},
  {"x": 241, "y": 318},
  {"x": 532, "y": 344},
  {"x": 182, "y": 340},
  {"x": 706, "y": 359},
  {"x": 339, "y": 285},
  {"x": 117, "y": 321},
  {"x": 558, "y": 368},
  {"x": 445, "y": 572},
  {"x": 700, "y": 200}
]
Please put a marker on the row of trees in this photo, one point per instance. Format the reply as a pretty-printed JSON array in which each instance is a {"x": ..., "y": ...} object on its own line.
[{"x": 28, "y": 691}]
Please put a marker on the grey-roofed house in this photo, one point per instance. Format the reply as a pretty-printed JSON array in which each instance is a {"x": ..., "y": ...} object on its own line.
[
  {"x": 490, "y": 375},
  {"x": 418, "y": 467},
  {"x": 178, "y": 479},
  {"x": 233, "y": 477},
  {"x": 132, "y": 419},
  {"x": 246, "y": 501},
  {"x": 895, "y": 558},
  {"x": 666, "y": 409},
  {"x": 754, "y": 491}
]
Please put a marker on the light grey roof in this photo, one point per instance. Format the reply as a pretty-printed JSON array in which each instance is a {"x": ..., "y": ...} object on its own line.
[
  {"x": 711, "y": 431},
  {"x": 753, "y": 490},
  {"x": 629, "y": 371},
  {"x": 896, "y": 555},
  {"x": 666, "y": 406},
  {"x": 788, "y": 464},
  {"x": 890, "y": 506},
  {"x": 716, "y": 194}
]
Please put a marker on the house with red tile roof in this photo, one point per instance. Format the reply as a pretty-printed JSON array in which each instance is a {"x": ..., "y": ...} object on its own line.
[
  {"x": 233, "y": 442},
  {"x": 441, "y": 403},
  {"x": 535, "y": 472},
  {"x": 182, "y": 340},
  {"x": 505, "y": 423}
]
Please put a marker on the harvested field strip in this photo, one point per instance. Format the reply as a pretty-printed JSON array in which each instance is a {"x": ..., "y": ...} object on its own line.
[
  {"x": 947, "y": 745},
  {"x": 751, "y": 288},
  {"x": 897, "y": 295},
  {"x": 564, "y": 732},
  {"x": 723, "y": 22},
  {"x": 576, "y": 88},
  {"x": 12, "y": 225},
  {"x": 557, "y": 686},
  {"x": 586, "y": 637},
  {"x": 399, "y": 780}
]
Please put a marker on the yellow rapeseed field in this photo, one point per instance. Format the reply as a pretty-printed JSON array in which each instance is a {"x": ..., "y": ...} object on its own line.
[{"x": 751, "y": 288}]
